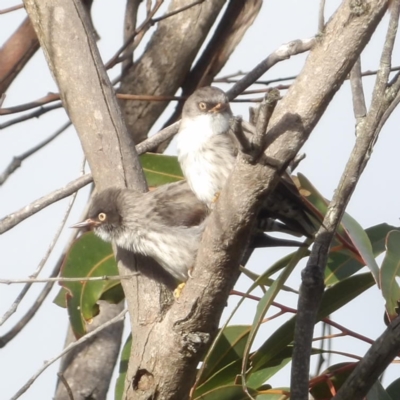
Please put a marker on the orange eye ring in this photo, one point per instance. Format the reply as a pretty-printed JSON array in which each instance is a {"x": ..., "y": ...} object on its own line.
[
  {"x": 202, "y": 106},
  {"x": 102, "y": 217}
]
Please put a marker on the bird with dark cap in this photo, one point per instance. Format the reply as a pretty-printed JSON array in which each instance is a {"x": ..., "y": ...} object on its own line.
[
  {"x": 207, "y": 151},
  {"x": 165, "y": 224}
]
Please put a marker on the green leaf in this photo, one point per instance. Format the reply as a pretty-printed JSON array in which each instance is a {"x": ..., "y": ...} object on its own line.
[
  {"x": 123, "y": 368},
  {"x": 89, "y": 256},
  {"x": 160, "y": 169},
  {"x": 362, "y": 243},
  {"x": 342, "y": 264},
  {"x": 312, "y": 195},
  {"x": 333, "y": 299},
  {"x": 61, "y": 298},
  {"x": 228, "y": 392},
  {"x": 389, "y": 271},
  {"x": 267, "y": 300},
  {"x": 228, "y": 348},
  {"x": 393, "y": 390}
]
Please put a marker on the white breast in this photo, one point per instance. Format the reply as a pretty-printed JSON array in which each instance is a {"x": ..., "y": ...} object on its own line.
[{"x": 206, "y": 153}]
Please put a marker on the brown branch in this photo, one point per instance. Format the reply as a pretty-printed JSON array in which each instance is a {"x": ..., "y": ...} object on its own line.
[
  {"x": 16, "y": 52},
  {"x": 51, "y": 97},
  {"x": 372, "y": 365},
  {"x": 10, "y": 9},
  {"x": 313, "y": 276},
  {"x": 282, "y": 53},
  {"x": 35, "y": 114}
]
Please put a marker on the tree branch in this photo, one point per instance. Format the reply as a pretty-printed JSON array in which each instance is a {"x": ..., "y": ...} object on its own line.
[
  {"x": 372, "y": 365},
  {"x": 313, "y": 276}
]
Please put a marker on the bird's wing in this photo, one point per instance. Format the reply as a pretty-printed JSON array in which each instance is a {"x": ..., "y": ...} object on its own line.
[{"x": 174, "y": 204}]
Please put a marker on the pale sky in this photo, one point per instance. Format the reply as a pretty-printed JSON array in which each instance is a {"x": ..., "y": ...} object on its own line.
[{"x": 376, "y": 199}]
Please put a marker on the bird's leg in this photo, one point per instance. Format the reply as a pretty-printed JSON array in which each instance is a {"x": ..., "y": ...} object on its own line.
[
  {"x": 215, "y": 198},
  {"x": 178, "y": 290}
]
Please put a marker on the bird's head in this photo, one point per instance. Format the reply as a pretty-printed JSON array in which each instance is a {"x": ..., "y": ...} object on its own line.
[
  {"x": 104, "y": 216},
  {"x": 211, "y": 103}
]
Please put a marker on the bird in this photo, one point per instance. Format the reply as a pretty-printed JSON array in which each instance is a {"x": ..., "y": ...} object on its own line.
[
  {"x": 165, "y": 224},
  {"x": 207, "y": 151}
]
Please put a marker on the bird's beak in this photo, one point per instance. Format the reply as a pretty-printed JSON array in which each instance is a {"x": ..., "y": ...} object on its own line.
[
  {"x": 88, "y": 223},
  {"x": 219, "y": 107}
]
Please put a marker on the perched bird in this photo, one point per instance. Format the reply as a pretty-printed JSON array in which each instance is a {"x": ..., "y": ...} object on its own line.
[
  {"x": 165, "y": 224},
  {"x": 207, "y": 151}
]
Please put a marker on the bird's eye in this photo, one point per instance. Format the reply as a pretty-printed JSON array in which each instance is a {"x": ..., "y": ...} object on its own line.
[
  {"x": 202, "y": 106},
  {"x": 102, "y": 217}
]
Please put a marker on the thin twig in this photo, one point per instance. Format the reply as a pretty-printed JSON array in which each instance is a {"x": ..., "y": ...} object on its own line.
[
  {"x": 177, "y": 11},
  {"x": 228, "y": 79},
  {"x": 34, "y": 114},
  {"x": 17, "y": 160},
  {"x": 34, "y": 307},
  {"x": 281, "y": 53},
  {"x": 71, "y": 346},
  {"x": 10, "y": 9},
  {"x": 27, "y": 106},
  {"x": 42, "y": 262},
  {"x": 60, "y": 279},
  {"x": 15, "y": 218},
  {"x": 142, "y": 29},
  {"x": 66, "y": 385}
]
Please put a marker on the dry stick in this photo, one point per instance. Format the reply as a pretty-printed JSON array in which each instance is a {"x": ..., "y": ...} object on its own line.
[
  {"x": 15, "y": 218},
  {"x": 66, "y": 385},
  {"x": 35, "y": 114},
  {"x": 372, "y": 365},
  {"x": 10, "y": 9},
  {"x": 313, "y": 276},
  {"x": 42, "y": 262},
  {"x": 83, "y": 339},
  {"x": 282, "y": 53},
  {"x": 20, "y": 325},
  {"x": 17, "y": 160},
  {"x": 23, "y": 107},
  {"x": 229, "y": 79},
  {"x": 77, "y": 279}
]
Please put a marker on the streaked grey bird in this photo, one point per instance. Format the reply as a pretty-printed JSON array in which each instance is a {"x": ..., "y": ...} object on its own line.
[
  {"x": 207, "y": 151},
  {"x": 165, "y": 224}
]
